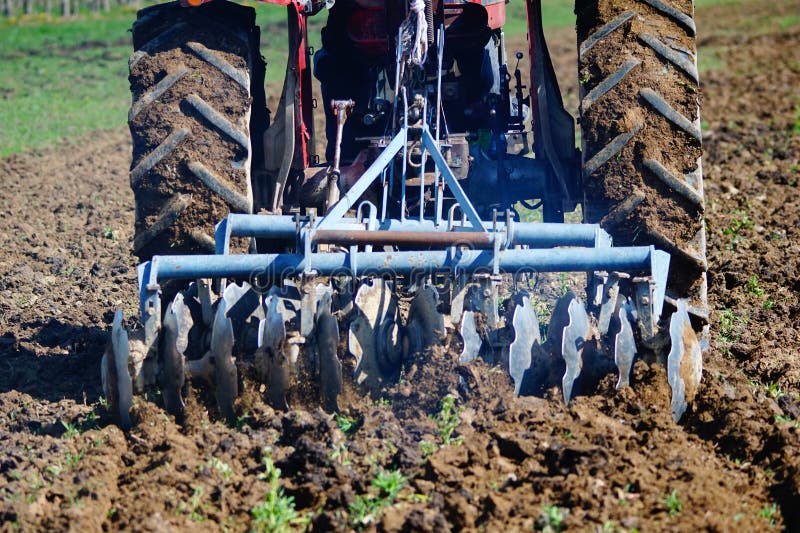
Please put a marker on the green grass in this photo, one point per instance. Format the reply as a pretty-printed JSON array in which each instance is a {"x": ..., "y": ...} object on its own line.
[{"x": 62, "y": 79}]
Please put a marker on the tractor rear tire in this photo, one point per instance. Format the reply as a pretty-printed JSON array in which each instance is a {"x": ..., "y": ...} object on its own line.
[
  {"x": 640, "y": 126},
  {"x": 196, "y": 79}
]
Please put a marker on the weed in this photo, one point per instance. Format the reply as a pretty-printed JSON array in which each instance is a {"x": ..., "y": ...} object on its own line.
[
  {"x": 275, "y": 512},
  {"x": 787, "y": 419},
  {"x": 427, "y": 448},
  {"x": 567, "y": 434},
  {"x": 730, "y": 326},
  {"x": 584, "y": 79},
  {"x": 348, "y": 425},
  {"x": 753, "y": 286},
  {"x": 72, "y": 459},
  {"x": 70, "y": 430},
  {"x": 215, "y": 464},
  {"x": 367, "y": 508},
  {"x": 774, "y": 390},
  {"x": 196, "y": 506},
  {"x": 739, "y": 222},
  {"x": 53, "y": 470},
  {"x": 447, "y": 420},
  {"x": 90, "y": 419},
  {"x": 341, "y": 454},
  {"x": 563, "y": 284},
  {"x": 108, "y": 233},
  {"x": 770, "y": 514},
  {"x": 241, "y": 421},
  {"x": 673, "y": 503},
  {"x": 383, "y": 402},
  {"x": 103, "y": 401},
  {"x": 552, "y": 518}
]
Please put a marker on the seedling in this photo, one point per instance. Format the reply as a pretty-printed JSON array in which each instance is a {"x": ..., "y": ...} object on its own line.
[
  {"x": 740, "y": 222},
  {"x": 770, "y": 514},
  {"x": 730, "y": 326},
  {"x": 447, "y": 420},
  {"x": 787, "y": 419},
  {"x": 367, "y": 508},
  {"x": 552, "y": 519},
  {"x": 774, "y": 390},
  {"x": 673, "y": 503},
  {"x": 341, "y": 454},
  {"x": 223, "y": 468},
  {"x": 70, "y": 430},
  {"x": 427, "y": 448},
  {"x": 276, "y": 511},
  {"x": 348, "y": 425},
  {"x": 753, "y": 286},
  {"x": 72, "y": 459}
]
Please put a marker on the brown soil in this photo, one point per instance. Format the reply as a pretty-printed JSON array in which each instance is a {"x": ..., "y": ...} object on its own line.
[{"x": 608, "y": 460}]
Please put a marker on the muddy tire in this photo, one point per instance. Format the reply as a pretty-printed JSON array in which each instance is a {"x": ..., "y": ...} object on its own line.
[
  {"x": 196, "y": 79},
  {"x": 640, "y": 128}
]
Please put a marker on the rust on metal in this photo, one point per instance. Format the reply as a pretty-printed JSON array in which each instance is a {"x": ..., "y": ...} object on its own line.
[{"x": 473, "y": 239}]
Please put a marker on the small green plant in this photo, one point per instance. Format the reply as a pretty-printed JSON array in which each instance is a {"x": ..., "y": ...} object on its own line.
[
  {"x": 348, "y": 425},
  {"x": 774, "y": 390},
  {"x": 447, "y": 420},
  {"x": 72, "y": 459},
  {"x": 340, "y": 454},
  {"x": 195, "y": 504},
  {"x": 108, "y": 233},
  {"x": 770, "y": 514},
  {"x": 275, "y": 512},
  {"x": 584, "y": 79},
  {"x": 215, "y": 464},
  {"x": 730, "y": 326},
  {"x": 563, "y": 284},
  {"x": 740, "y": 221},
  {"x": 366, "y": 509},
  {"x": 70, "y": 430},
  {"x": 673, "y": 503},
  {"x": 753, "y": 286},
  {"x": 787, "y": 419},
  {"x": 769, "y": 304},
  {"x": 567, "y": 434},
  {"x": 427, "y": 448},
  {"x": 552, "y": 519}
]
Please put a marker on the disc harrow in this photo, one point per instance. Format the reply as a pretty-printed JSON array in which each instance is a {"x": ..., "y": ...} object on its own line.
[{"x": 275, "y": 313}]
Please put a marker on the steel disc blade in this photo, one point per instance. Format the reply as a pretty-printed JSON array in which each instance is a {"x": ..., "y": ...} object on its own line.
[
  {"x": 573, "y": 339},
  {"x": 117, "y": 382},
  {"x": 374, "y": 302},
  {"x": 326, "y": 337},
  {"x": 177, "y": 323},
  {"x": 684, "y": 362},
  {"x": 471, "y": 337},
  {"x": 526, "y": 333},
  {"x": 624, "y": 349},
  {"x": 425, "y": 323},
  {"x": 226, "y": 382}
]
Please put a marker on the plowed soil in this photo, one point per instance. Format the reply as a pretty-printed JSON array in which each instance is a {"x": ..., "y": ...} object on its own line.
[{"x": 609, "y": 462}]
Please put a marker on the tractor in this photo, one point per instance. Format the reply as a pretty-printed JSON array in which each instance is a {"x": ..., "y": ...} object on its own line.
[{"x": 309, "y": 268}]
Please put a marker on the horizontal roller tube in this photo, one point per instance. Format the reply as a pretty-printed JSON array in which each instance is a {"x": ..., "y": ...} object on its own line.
[
  {"x": 539, "y": 235},
  {"x": 633, "y": 260}
]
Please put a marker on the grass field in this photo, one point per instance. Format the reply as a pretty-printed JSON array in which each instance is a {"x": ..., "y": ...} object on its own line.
[{"x": 65, "y": 78}]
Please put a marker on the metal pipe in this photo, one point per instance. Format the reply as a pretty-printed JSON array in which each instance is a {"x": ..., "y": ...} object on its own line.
[
  {"x": 543, "y": 235},
  {"x": 473, "y": 239},
  {"x": 278, "y": 266}
]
